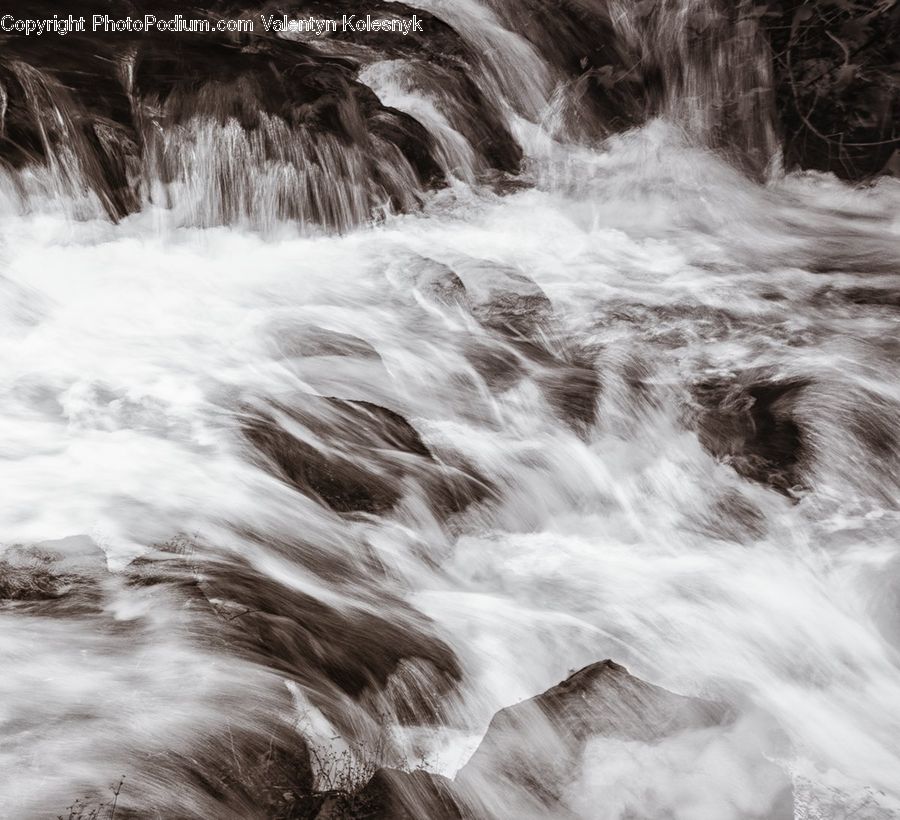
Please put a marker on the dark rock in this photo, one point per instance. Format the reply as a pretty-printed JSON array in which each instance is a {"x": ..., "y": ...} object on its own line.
[
  {"x": 61, "y": 577},
  {"x": 733, "y": 517},
  {"x": 390, "y": 794},
  {"x": 499, "y": 365},
  {"x": 414, "y": 143},
  {"x": 872, "y": 420},
  {"x": 859, "y": 295},
  {"x": 392, "y": 663},
  {"x": 536, "y": 744},
  {"x": 173, "y": 566},
  {"x": 103, "y": 106},
  {"x": 472, "y": 115},
  {"x": 752, "y": 425},
  {"x": 565, "y": 374},
  {"x": 437, "y": 39},
  {"x": 357, "y": 462},
  {"x": 319, "y": 341},
  {"x": 247, "y": 773},
  {"x": 439, "y": 283},
  {"x": 397, "y": 795},
  {"x": 505, "y": 300},
  {"x": 533, "y": 751},
  {"x": 29, "y": 577},
  {"x": 442, "y": 67},
  {"x": 517, "y": 312},
  {"x": 354, "y": 456},
  {"x": 417, "y": 693},
  {"x": 350, "y": 648},
  {"x": 609, "y": 84},
  {"x": 572, "y": 390},
  {"x": 569, "y": 382},
  {"x": 638, "y": 376}
]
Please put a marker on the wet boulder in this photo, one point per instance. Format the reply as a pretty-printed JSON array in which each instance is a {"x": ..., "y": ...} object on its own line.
[
  {"x": 357, "y": 457},
  {"x": 390, "y": 794},
  {"x": 535, "y": 751},
  {"x": 441, "y": 65},
  {"x": 340, "y": 452},
  {"x": 313, "y": 341},
  {"x": 436, "y": 282},
  {"x": 350, "y": 648},
  {"x": 523, "y": 339},
  {"x": 572, "y": 386},
  {"x": 62, "y": 577},
  {"x": 753, "y": 425},
  {"x": 123, "y": 114},
  {"x": 536, "y": 744},
  {"x": 859, "y": 296},
  {"x": 28, "y": 576},
  {"x": 418, "y": 692},
  {"x": 473, "y": 115},
  {"x": 399, "y": 795},
  {"x": 608, "y": 83},
  {"x": 352, "y": 639},
  {"x": 568, "y": 381},
  {"x": 505, "y": 300},
  {"x": 500, "y": 365},
  {"x": 253, "y": 773}
]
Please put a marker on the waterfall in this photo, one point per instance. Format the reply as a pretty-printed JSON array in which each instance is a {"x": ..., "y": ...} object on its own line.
[
  {"x": 357, "y": 386},
  {"x": 254, "y": 145},
  {"x": 714, "y": 71}
]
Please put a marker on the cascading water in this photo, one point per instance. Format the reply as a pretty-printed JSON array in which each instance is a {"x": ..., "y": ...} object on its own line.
[{"x": 372, "y": 387}]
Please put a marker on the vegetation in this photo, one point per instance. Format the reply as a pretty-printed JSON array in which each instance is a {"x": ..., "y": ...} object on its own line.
[
  {"x": 85, "y": 809},
  {"x": 341, "y": 778},
  {"x": 341, "y": 786},
  {"x": 836, "y": 77}
]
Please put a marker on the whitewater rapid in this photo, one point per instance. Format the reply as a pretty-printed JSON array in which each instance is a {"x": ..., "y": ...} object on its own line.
[{"x": 131, "y": 352}]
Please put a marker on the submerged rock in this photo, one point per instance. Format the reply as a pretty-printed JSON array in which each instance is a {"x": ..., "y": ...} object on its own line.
[
  {"x": 572, "y": 388},
  {"x": 61, "y": 577},
  {"x": 355, "y": 456},
  {"x": 536, "y": 744},
  {"x": 522, "y": 338},
  {"x": 314, "y": 341},
  {"x": 438, "y": 283},
  {"x": 356, "y": 641},
  {"x": 753, "y": 426},
  {"x": 505, "y": 300},
  {"x": 350, "y": 647},
  {"x": 398, "y": 795},
  {"x": 390, "y": 794},
  {"x": 499, "y": 365},
  {"x": 533, "y": 751}
]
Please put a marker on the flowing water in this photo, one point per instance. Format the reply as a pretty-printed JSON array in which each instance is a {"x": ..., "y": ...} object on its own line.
[{"x": 172, "y": 598}]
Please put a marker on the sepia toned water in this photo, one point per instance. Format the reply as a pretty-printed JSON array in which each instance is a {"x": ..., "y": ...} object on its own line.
[{"x": 648, "y": 293}]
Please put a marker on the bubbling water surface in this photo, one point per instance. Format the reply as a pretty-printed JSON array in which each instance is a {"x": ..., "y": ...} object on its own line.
[{"x": 619, "y": 514}]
